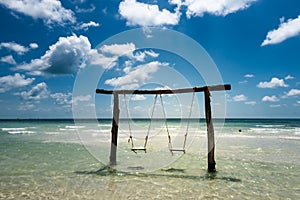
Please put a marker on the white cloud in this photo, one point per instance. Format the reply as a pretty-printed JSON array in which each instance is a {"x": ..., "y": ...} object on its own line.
[
  {"x": 291, "y": 93},
  {"x": 137, "y": 76},
  {"x": 249, "y": 76},
  {"x": 243, "y": 82},
  {"x": 289, "y": 77},
  {"x": 275, "y": 105},
  {"x": 63, "y": 57},
  {"x": 298, "y": 102},
  {"x": 69, "y": 54},
  {"x": 85, "y": 10},
  {"x": 62, "y": 98},
  {"x": 8, "y": 59},
  {"x": 19, "y": 49},
  {"x": 96, "y": 58},
  {"x": 215, "y": 7},
  {"x": 118, "y": 49},
  {"x": 138, "y": 97},
  {"x": 27, "y": 106},
  {"x": 252, "y": 103},
  {"x": 16, "y": 81},
  {"x": 272, "y": 98},
  {"x": 50, "y": 11},
  {"x": 142, "y": 14},
  {"x": 37, "y": 92},
  {"x": 81, "y": 98},
  {"x": 86, "y": 26},
  {"x": 274, "y": 83},
  {"x": 286, "y": 30},
  {"x": 140, "y": 56},
  {"x": 33, "y": 45},
  {"x": 240, "y": 97}
]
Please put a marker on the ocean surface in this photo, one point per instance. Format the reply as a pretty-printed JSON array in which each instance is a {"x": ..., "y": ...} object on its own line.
[{"x": 63, "y": 159}]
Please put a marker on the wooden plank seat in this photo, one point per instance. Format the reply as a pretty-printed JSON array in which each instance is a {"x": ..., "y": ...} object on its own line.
[
  {"x": 178, "y": 150},
  {"x": 136, "y": 149}
]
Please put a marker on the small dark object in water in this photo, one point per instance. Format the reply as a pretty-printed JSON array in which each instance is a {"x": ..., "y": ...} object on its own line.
[
  {"x": 173, "y": 170},
  {"x": 240, "y": 130},
  {"x": 136, "y": 168}
]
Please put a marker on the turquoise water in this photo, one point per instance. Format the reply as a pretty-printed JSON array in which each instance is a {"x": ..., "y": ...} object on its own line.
[{"x": 59, "y": 159}]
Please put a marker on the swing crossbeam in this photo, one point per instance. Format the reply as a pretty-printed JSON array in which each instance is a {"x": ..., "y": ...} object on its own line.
[{"x": 167, "y": 91}]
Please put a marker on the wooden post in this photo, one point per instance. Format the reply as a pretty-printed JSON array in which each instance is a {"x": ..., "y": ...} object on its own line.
[
  {"x": 114, "y": 131},
  {"x": 211, "y": 163}
]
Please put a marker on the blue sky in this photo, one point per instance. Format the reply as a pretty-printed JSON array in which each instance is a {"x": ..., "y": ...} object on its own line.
[{"x": 44, "y": 44}]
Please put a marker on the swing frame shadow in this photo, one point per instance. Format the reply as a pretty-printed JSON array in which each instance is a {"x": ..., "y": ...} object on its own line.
[{"x": 208, "y": 115}]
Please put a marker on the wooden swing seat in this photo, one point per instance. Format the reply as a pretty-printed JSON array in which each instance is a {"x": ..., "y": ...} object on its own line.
[
  {"x": 135, "y": 149},
  {"x": 178, "y": 150}
]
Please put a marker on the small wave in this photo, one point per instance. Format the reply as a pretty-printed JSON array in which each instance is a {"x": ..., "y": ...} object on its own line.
[
  {"x": 104, "y": 125},
  {"x": 290, "y": 138},
  {"x": 51, "y": 133},
  {"x": 20, "y": 132},
  {"x": 13, "y": 129},
  {"x": 74, "y": 127},
  {"x": 270, "y": 126}
]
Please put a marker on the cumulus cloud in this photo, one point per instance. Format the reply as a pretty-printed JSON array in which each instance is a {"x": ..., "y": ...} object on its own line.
[
  {"x": 86, "y": 26},
  {"x": 138, "y": 97},
  {"x": 33, "y": 45},
  {"x": 272, "y": 98},
  {"x": 85, "y": 10},
  {"x": 142, "y": 14},
  {"x": 141, "y": 55},
  {"x": 288, "y": 29},
  {"x": 37, "y": 92},
  {"x": 62, "y": 98},
  {"x": 63, "y": 57},
  {"x": 289, "y": 77},
  {"x": 118, "y": 49},
  {"x": 137, "y": 76},
  {"x": 81, "y": 98},
  {"x": 15, "y": 47},
  {"x": 292, "y": 93},
  {"x": 16, "y": 81},
  {"x": 252, "y": 103},
  {"x": 249, "y": 76},
  {"x": 71, "y": 53},
  {"x": 50, "y": 11},
  {"x": 240, "y": 97},
  {"x": 275, "y": 105},
  {"x": 8, "y": 59},
  {"x": 19, "y": 49},
  {"x": 219, "y": 8},
  {"x": 26, "y": 106},
  {"x": 274, "y": 83}
]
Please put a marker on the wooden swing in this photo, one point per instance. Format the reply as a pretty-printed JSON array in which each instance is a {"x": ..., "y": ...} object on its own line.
[
  {"x": 171, "y": 148},
  {"x": 130, "y": 140}
]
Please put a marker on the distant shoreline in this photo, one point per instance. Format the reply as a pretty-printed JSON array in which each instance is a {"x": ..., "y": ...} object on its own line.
[{"x": 99, "y": 119}]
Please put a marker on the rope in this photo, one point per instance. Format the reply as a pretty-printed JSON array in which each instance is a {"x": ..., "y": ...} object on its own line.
[
  {"x": 129, "y": 125},
  {"x": 149, "y": 127},
  {"x": 165, "y": 116},
  {"x": 188, "y": 122}
]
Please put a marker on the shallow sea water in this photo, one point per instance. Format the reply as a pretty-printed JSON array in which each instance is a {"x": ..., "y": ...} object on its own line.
[{"x": 47, "y": 160}]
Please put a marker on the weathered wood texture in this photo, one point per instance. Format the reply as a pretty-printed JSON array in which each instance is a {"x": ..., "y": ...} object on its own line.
[
  {"x": 167, "y": 91},
  {"x": 211, "y": 163},
  {"x": 114, "y": 131}
]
